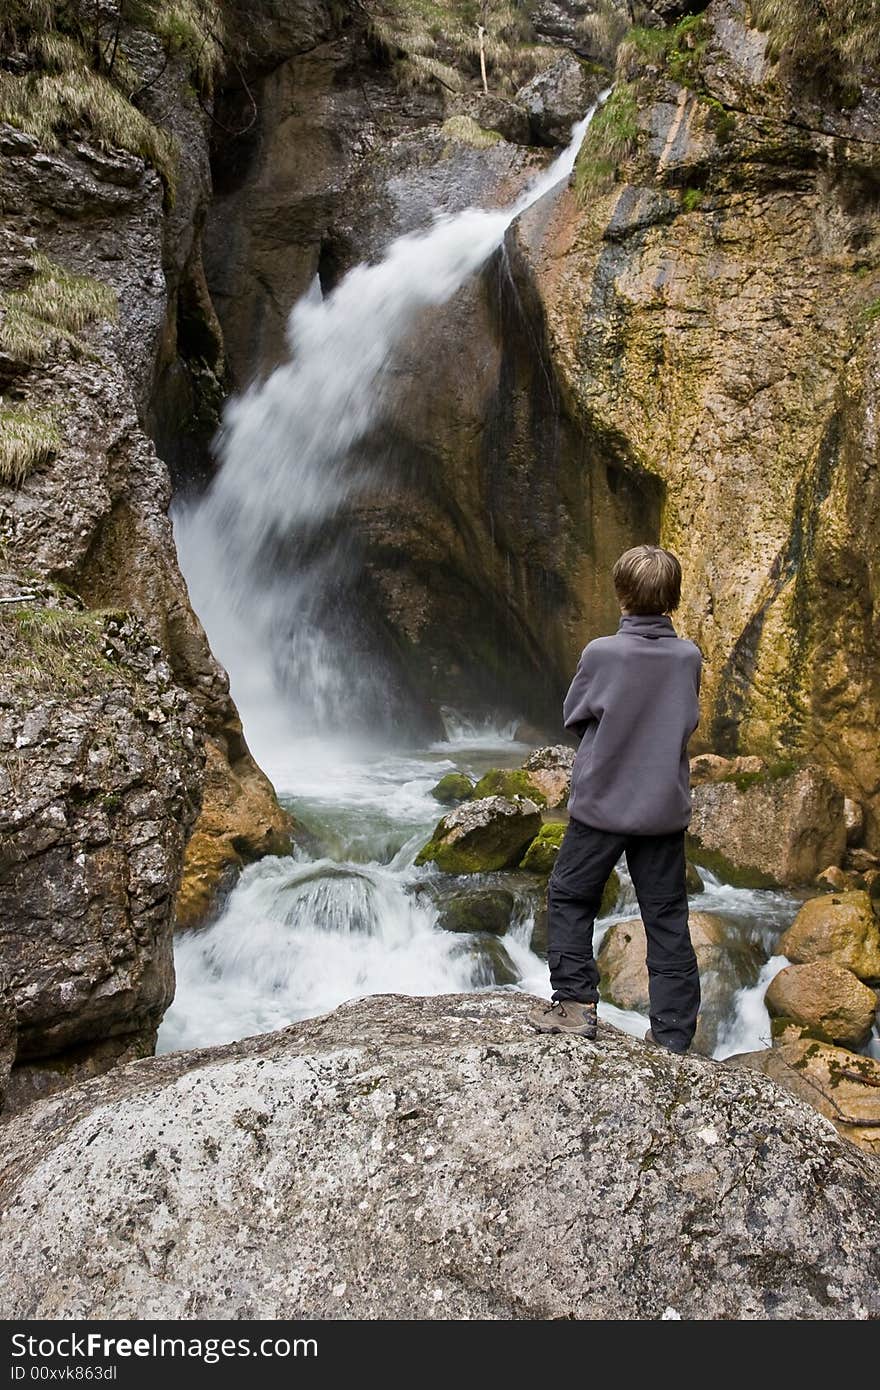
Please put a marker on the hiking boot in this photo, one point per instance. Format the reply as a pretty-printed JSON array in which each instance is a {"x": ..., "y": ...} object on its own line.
[
  {"x": 565, "y": 1016},
  {"x": 652, "y": 1042}
]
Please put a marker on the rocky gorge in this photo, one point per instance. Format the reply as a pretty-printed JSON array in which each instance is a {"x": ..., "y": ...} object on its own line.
[{"x": 677, "y": 344}]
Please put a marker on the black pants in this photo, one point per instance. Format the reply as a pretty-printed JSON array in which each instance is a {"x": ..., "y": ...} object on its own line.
[{"x": 657, "y": 866}]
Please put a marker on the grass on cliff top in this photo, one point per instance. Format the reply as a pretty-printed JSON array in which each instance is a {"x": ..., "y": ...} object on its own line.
[
  {"x": 55, "y": 303},
  {"x": 813, "y": 32},
  {"x": 612, "y": 135},
  {"x": 436, "y": 42},
  {"x": 77, "y": 75},
  {"x": 26, "y": 441}
]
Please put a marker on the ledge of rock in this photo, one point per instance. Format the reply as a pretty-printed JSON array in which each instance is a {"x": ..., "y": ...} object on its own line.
[{"x": 434, "y": 1158}]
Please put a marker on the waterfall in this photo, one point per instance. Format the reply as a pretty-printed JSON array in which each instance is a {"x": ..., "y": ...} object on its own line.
[{"x": 288, "y": 464}]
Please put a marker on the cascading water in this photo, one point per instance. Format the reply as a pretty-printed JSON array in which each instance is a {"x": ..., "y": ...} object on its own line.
[{"x": 301, "y": 934}]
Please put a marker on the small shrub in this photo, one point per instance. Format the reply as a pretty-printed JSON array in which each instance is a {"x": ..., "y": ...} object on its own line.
[
  {"x": 26, "y": 441},
  {"x": 612, "y": 135}
]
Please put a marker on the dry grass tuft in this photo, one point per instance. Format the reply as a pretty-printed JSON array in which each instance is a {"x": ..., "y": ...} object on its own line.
[
  {"x": 55, "y": 304},
  {"x": 26, "y": 441},
  {"x": 468, "y": 132}
]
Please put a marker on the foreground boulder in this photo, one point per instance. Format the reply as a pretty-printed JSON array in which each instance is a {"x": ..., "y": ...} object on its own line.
[
  {"x": 491, "y": 833},
  {"x": 828, "y": 1000},
  {"x": 762, "y": 829},
  {"x": 841, "y": 1085},
  {"x": 842, "y": 927},
  {"x": 725, "y": 966},
  {"x": 434, "y": 1158}
]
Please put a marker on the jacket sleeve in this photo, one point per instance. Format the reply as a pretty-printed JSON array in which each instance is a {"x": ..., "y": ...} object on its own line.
[{"x": 577, "y": 711}]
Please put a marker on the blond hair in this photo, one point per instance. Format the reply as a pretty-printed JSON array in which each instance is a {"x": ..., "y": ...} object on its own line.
[{"x": 647, "y": 579}]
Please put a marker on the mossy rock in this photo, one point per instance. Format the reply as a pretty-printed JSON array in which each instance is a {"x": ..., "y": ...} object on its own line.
[
  {"x": 484, "y": 910},
  {"x": 541, "y": 854},
  {"x": 482, "y": 835},
  {"x": 493, "y": 964},
  {"x": 455, "y": 786},
  {"x": 510, "y": 782}
]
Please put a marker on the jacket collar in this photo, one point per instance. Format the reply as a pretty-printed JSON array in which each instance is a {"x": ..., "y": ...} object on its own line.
[{"x": 652, "y": 625}]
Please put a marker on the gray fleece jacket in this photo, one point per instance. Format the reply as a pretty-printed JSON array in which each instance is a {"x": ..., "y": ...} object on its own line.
[{"x": 634, "y": 701}]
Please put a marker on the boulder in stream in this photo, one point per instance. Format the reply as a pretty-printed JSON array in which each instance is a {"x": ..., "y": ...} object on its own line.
[
  {"x": 452, "y": 787},
  {"x": 825, "y": 998},
  {"x": 490, "y": 833},
  {"x": 726, "y": 965},
  {"x": 509, "y": 782},
  {"x": 549, "y": 770},
  {"x": 541, "y": 854},
  {"x": 558, "y": 97},
  {"x": 841, "y": 1085},
  {"x": 434, "y": 1158},
  {"x": 482, "y": 910},
  {"x": 842, "y": 927},
  {"x": 776, "y": 827}
]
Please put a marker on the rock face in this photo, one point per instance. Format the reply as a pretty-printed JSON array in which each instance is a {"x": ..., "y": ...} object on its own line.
[
  {"x": 842, "y": 927},
  {"x": 491, "y": 833},
  {"x": 771, "y": 830},
  {"x": 8, "y": 1034},
  {"x": 826, "y": 999},
  {"x": 99, "y": 786},
  {"x": 434, "y": 1157},
  {"x": 114, "y": 341},
  {"x": 723, "y": 970},
  {"x": 550, "y": 771},
  {"x": 843, "y": 1087},
  {"x": 741, "y": 211}
]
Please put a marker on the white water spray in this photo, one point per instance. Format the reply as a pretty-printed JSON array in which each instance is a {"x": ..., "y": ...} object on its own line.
[{"x": 287, "y": 466}]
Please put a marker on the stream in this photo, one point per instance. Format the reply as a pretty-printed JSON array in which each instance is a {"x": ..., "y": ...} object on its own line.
[{"x": 353, "y": 915}]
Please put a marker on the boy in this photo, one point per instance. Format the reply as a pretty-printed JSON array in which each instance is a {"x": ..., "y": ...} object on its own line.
[{"x": 634, "y": 703}]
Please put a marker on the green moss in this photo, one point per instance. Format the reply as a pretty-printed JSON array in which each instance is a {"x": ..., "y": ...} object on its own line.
[
  {"x": 26, "y": 441},
  {"x": 511, "y": 782},
  {"x": 541, "y": 854},
  {"x": 719, "y": 865},
  {"x": 677, "y": 50},
  {"x": 454, "y": 786},
  {"x": 691, "y": 199},
  {"x": 773, "y": 772},
  {"x": 612, "y": 136},
  {"x": 610, "y": 894}
]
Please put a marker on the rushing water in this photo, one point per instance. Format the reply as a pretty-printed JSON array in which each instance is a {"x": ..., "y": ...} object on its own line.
[{"x": 302, "y": 933}]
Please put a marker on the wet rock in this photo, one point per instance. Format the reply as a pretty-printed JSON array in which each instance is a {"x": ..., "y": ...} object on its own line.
[
  {"x": 398, "y": 1141},
  {"x": 454, "y": 786},
  {"x": 541, "y": 854},
  {"x": 483, "y": 910},
  {"x": 833, "y": 879},
  {"x": 549, "y": 770},
  {"x": 8, "y": 1034},
  {"x": 558, "y": 97},
  {"x": 842, "y": 927},
  {"x": 491, "y": 963},
  {"x": 825, "y": 998},
  {"x": 491, "y": 833},
  {"x": 842, "y": 1086},
  {"x": 693, "y": 880},
  {"x": 725, "y": 964},
  {"x": 854, "y": 820},
  {"x": 240, "y": 821},
  {"x": 768, "y": 829},
  {"x": 509, "y": 782}
]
